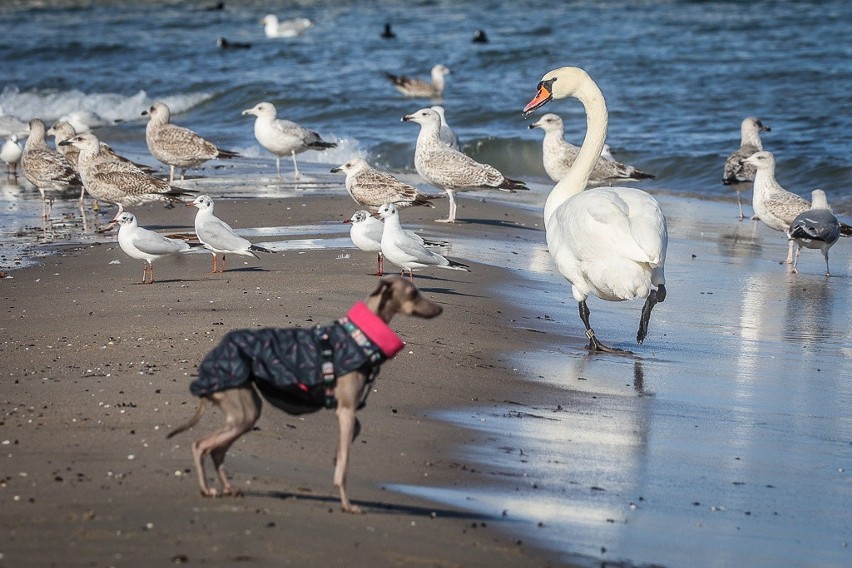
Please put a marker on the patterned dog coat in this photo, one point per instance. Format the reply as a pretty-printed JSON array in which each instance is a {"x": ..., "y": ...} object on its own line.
[{"x": 297, "y": 369}]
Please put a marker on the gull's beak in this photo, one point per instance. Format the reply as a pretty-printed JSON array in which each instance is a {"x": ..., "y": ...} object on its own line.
[
  {"x": 541, "y": 98},
  {"x": 348, "y": 221},
  {"x": 334, "y": 171},
  {"x": 68, "y": 143},
  {"x": 406, "y": 118},
  {"x": 247, "y": 112},
  {"x": 189, "y": 203}
]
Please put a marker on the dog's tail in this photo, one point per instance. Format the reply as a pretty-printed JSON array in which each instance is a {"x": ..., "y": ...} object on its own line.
[{"x": 202, "y": 405}]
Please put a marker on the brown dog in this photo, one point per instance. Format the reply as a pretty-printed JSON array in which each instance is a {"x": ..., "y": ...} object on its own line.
[{"x": 340, "y": 360}]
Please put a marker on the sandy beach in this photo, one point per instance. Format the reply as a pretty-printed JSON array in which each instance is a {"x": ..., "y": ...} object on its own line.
[{"x": 493, "y": 439}]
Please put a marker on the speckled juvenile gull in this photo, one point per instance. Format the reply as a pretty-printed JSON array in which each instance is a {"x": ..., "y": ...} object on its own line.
[
  {"x": 366, "y": 234},
  {"x": 773, "y": 204},
  {"x": 11, "y": 153},
  {"x": 142, "y": 244},
  {"x": 217, "y": 236},
  {"x": 273, "y": 27},
  {"x": 407, "y": 250},
  {"x": 283, "y": 137},
  {"x": 736, "y": 170},
  {"x": 46, "y": 168},
  {"x": 419, "y": 88},
  {"x": 115, "y": 181},
  {"x": 816, "y": 228},
  {"x": 176, "y": 146},
  {"x": 558, "y": 156},
  {"x": 371, "y": 187},
  {"x": 446, "y": 133},
  {"x": 62, "y": 131},
  {"x": 449, "y": 169}
]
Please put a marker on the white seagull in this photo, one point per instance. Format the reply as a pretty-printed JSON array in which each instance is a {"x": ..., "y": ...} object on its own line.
[
  {"x": 607, "y": 241},
  {"x": 11, "y": 153},
  {"x": 217, "y": 236},
  {"x": 371, "y": 187},
  {"x": 273, "y": 28},
  {"x": 773, "y": 204},
  {"x": 449, "y": 169},
  {"x": 406, "y": 250},
  {"x": 558, "y": 156},
  {"x": 736, "y": 170},
  {"x": 176, "y": 146},
  {"x": 283, "y": 137},
  {"x": 816, "y": 228},
  {"x": 145, "y": 245},
  {"x": 418, "y": 87},
  {"x": 366, "y": 234}
]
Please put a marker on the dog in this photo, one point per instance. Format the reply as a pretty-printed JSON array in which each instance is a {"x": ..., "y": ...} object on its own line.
[{"x": 299, "y": 371}]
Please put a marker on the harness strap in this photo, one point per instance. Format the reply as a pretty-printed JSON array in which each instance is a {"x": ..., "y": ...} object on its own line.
[{"x": 329, "y": 377}]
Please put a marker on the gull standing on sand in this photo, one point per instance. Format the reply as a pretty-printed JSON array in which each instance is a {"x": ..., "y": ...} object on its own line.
[
  {"x": 283, "y": 137},
  {"x": 46, "y": 168},
  {"x": 116, "y": 181},
  {"x": 419, "y": 88},
  {"x": 10, "y": 154},
  {"x": 449, "y": 169},
  {"x": 558, "y": 156},
  {"x": 816, "y": 228},
  {"x": 407, "y": 250},
  {"x": 372, "y": 188},
  {"x": 366, "y": 234},
  {"x": 273, "y": 28},
  {"x": 607, "y": 241},
  {"x": 446, "y": 133},
  {"x": 217, "y": 236},
  {"x": 773, "y": 204},
  {"x": 176, "y": 146},
  {"x": 145, "y": 245},
  {"x": 737, "y": 171}
]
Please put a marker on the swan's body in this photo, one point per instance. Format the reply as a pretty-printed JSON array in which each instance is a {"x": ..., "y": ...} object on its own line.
[
  {"x": 558, "y": 156},
  {"x": 283, "y": 137},
  {"x": 145, "y": 245},
  {"x": 419, "y": 88},
  {"x": 610, "y": 242},
  {"x": 372, "y": 188},
  {"x": 737, "y": 171},
  {"x": 816, "y": 228}
]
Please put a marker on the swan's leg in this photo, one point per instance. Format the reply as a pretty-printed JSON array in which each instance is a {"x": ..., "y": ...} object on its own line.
[{"x": 594, "y": 342}]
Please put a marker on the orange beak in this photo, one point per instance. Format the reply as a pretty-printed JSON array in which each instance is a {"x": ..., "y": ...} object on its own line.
[{"x": 541, "y": 98}]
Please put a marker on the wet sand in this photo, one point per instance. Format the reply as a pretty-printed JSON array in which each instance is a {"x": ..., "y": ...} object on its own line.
[{"x": 493, "y": 439}]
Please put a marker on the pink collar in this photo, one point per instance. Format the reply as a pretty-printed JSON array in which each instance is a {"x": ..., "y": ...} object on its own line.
[{"x": 376, "y": 329}]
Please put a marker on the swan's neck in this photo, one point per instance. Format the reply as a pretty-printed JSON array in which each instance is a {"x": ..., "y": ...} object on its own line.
[{"x": 578, "y": 176}]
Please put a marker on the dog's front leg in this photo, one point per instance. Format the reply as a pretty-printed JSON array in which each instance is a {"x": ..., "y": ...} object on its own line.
[{"x": 348, "y": 392}]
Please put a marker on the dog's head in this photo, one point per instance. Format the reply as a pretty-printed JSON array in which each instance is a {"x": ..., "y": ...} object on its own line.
[{"x": 397, "y": 295}]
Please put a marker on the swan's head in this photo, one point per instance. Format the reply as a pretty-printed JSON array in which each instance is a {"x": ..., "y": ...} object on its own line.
[
  {"x": 557, "y": 84},
  {"x": 761, "y": 160},
  {"x": 261, "y": 109}
]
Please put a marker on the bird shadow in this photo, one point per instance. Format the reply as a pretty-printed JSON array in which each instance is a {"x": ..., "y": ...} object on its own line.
[
  {"x": 375, "y": 507},
  {"x": 500, "y": 223}
]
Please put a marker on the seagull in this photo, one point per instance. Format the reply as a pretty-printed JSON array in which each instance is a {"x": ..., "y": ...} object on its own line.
[
  {"x": 217, "y": 236},
  {"x": 558, "y": 156},
  {"x": 407, "y": 250},
  {"x": 446, "y": 133},
  {"x": 371, "y": 187},
  {"x": 11, "y": 153},
  {"x": 449, "y": 169},
  {"x": 816, "y": 228},
  {"x": 419, "y": 88},
  {"x": 46, "y": 168},
  {"x": 225, "y": 44},
  {"x": 116, "y": 181},
  {"x": 773, "y": 204},
  {"x": 176, "y": 146},
  {"x": 145, "y": 245},
  {"x": 286, "y": 28},
  {"x": 62, "y": 131},
  {"x": 736, "y": 170},
  {"x": 282, "y": 137}
]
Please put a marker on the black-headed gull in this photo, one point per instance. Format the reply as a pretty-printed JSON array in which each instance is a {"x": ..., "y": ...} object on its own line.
[
  {"x": 283, "y": 137},
  {"x": 217, "y": 236},
  {"x": 176, "y": 146},
  {"x": 449, "y": 169},
  {"x": 11, "y": 153},
  {"x": 371, "y": 187},
  {"x": 142, "y": 244},
  {"x": 406, "y": 250}
]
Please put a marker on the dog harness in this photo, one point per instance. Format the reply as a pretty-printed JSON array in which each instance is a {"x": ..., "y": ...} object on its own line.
[{"x": 297, "y": 369}]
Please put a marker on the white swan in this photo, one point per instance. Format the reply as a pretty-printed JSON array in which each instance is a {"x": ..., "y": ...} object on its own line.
[{"x": 609, "y": 241}]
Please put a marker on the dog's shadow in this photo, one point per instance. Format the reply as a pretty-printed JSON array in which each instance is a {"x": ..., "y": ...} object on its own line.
[{"x": 376, "y": 507}]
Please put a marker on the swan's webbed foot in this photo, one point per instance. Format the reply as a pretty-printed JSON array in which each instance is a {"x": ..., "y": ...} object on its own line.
[{"x": 596, "y": 345}]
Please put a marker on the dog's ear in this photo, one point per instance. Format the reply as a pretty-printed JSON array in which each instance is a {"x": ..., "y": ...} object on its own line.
[{"x": 385, "y": 284}]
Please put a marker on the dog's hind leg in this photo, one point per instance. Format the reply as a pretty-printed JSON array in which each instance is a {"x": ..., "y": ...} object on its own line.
[
  {"x": 242, "y": 410},
  {"x": 348, "y": 394}
]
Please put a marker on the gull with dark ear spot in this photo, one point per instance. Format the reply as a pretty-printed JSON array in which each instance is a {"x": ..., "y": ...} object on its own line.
[
  {"x": 816, "y": 228},
  {"x": 145, "y": 245},
  {"x": 217, "y": 236}
]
